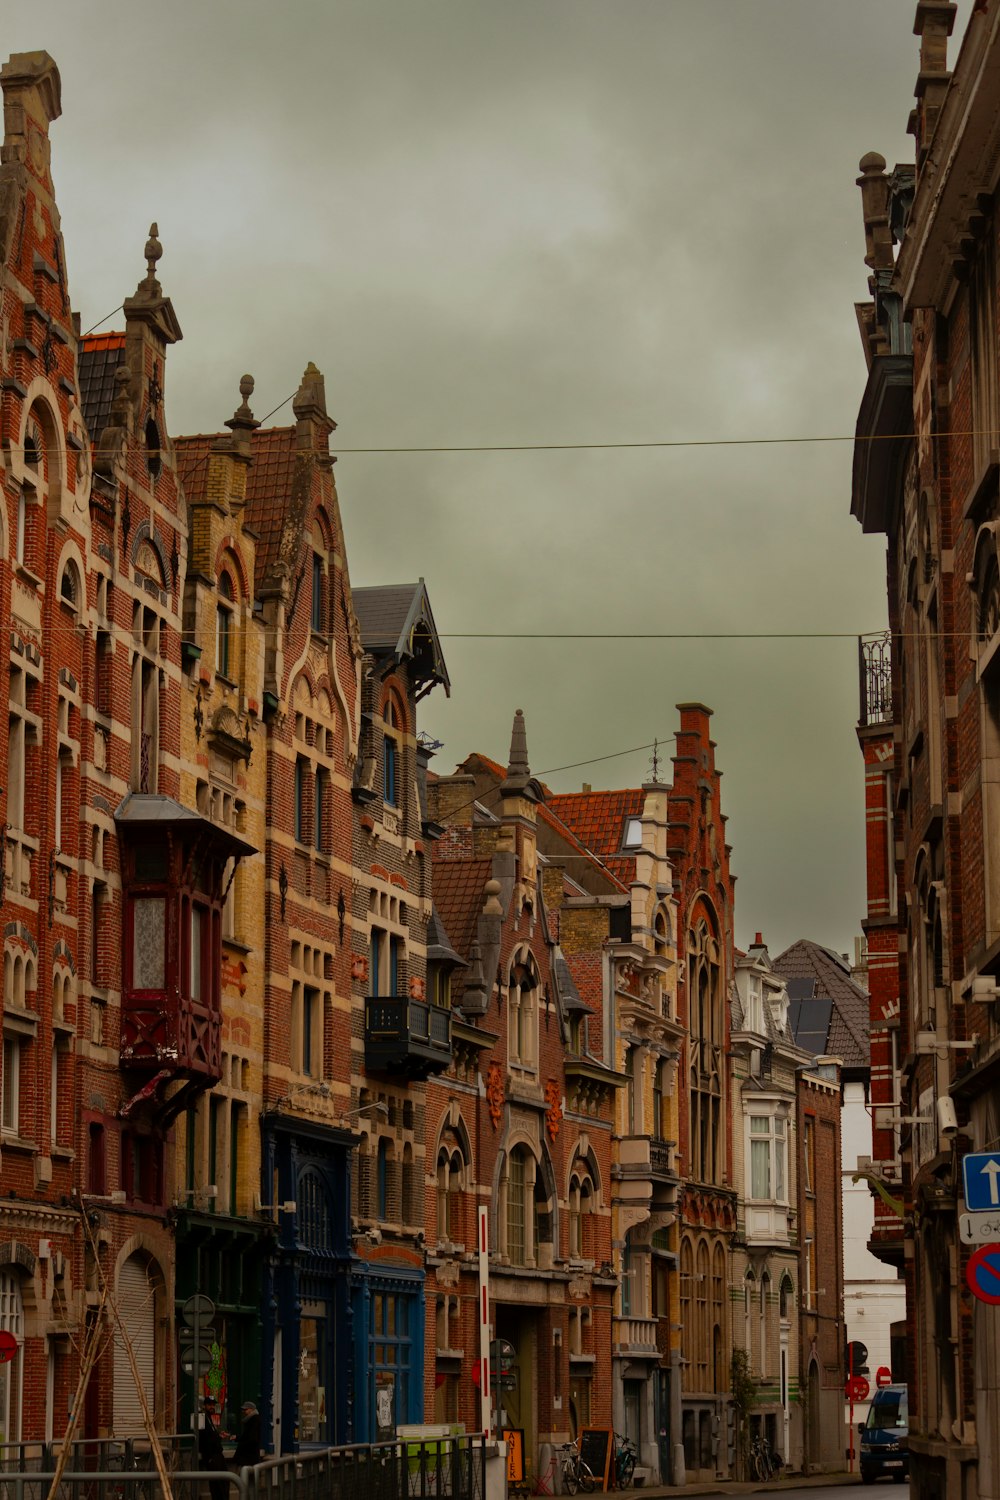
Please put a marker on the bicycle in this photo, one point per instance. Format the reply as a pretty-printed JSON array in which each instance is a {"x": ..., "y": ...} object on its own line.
[
  {"x": 575, "y": 1472},
  {"x": 764, "y": 1463},
  {"x": 625, "y": 1457}
]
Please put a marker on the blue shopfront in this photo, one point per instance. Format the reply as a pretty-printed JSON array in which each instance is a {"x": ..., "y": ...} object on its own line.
[
  {"x": 388, "y": 1305},
  {"x": 308, "y": 1366}
]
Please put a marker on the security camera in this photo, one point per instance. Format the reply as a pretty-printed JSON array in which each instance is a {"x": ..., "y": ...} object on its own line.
[{"x": 947, "y": 1118}]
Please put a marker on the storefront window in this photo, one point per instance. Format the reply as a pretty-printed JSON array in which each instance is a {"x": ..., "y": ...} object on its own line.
[
  {"x": 11, "y": 1321},
  {"x": 390, "y": 1356},
  {"x": 312, "y": 1374}
]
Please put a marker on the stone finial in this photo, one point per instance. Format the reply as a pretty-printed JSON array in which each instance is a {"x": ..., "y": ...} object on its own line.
[
  {"x": 153, "y": 250},
  {"x": 517, "y": 765},
  {"x": 492, "y": 906},
  {"x": 242, "y": 424},
  {"x": 148, "y": 305},
  {"x": 149, "y": 288},
  {"x": 874, "y": 185},
  {"x": 312, "y": 419}
]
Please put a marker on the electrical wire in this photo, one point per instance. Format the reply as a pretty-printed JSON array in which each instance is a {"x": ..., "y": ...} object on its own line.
[{"x": 747, "y": 442}]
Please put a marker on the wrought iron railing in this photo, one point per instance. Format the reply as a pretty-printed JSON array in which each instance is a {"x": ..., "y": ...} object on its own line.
[{"x": 875, "y": 672}]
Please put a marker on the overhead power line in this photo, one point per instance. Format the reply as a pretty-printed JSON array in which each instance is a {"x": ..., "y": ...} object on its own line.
[{"x": 742, "y": 442}]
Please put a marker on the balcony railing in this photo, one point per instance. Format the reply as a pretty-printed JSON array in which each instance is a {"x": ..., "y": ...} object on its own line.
[
  {"x": 406, "y": 1036},
  {"x": 636, "y": 1335},
  {"x": 662, "y": 1158},
  {"x": 875, "y": 667}
]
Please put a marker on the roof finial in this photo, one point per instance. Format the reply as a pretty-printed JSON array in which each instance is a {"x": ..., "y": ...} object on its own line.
[
  {"x": 518, "y": 768},
  {"x": 243, "y": 422},
  {"x": 153, "y": 251},
  {"x": 655, "y": 760}
]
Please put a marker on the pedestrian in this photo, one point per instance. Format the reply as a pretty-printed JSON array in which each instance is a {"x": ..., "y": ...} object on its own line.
[
  {"x": 248, "y": 1448},
  {"x": 211, "y": 1454}
]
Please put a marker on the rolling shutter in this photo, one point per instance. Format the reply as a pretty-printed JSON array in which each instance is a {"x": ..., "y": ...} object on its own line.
[{"x": 136, "y": 1304}]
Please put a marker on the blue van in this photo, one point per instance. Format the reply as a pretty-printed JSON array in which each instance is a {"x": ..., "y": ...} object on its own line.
[{"x": 885, "y": 1436}]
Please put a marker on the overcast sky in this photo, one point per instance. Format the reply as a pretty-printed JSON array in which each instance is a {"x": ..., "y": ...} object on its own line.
[{"x": 540, "y": 221}]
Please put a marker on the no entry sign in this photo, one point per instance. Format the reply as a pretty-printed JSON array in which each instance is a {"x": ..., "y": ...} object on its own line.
[{"x": 983, "y": 1274}]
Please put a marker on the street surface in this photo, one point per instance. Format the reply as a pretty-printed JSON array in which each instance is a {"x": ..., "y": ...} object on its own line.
[{"x": 881, "y": 1490}]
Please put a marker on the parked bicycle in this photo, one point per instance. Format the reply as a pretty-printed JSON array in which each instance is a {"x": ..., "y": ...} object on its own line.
[
  {"x": 764, "y": 1462},
  {"x": 625, "y": 1456},
  {"x": 576, "y": 1473}
]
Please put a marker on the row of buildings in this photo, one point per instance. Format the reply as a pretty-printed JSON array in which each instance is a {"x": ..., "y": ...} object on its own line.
[
  {"x": 927, "y": 479},
  {"x": 283, "y": 1008}
]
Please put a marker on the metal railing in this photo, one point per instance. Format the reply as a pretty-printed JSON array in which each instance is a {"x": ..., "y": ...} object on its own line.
[
  {"x": 452, "y": 1468},
  {"x": 875, "y": 674}
]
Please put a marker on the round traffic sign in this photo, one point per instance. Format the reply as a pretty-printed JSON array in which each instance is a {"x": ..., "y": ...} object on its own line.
[
  {"x": 858, "y": 1388},
  {"x": 883, "y": 1376},
  {"x": 983, "y": 1274},
  {"x": 8, "y": 1346},
  {"x": 200, "y": 1308}
]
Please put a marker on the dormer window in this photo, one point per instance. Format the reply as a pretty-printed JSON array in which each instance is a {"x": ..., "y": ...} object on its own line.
[{"x": 632, "y": 836}]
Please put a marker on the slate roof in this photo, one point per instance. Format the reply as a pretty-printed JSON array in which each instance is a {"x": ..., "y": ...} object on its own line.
[
  {"x": 847, "y": 1036},
  {"x": 388, "y": 615},
  {"x": 99, "y": 357},
  {"x": 269, "y": 483},
  {"x": 598, "y": 820},
  {"x": 439, "y": 944}
]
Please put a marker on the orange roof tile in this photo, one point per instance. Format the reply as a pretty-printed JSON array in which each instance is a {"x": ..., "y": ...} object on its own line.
[
  {"x": 599, "y": 819},
  {"x": 621, "y": 870}
]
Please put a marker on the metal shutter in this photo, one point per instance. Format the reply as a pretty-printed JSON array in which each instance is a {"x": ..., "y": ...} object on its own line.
[{"x": 136, "y": 1304}]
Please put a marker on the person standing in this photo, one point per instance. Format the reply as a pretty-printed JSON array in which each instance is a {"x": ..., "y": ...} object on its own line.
[
  {"x": 211, "y": 1454},
  {"x": 248, "y": 1448}
]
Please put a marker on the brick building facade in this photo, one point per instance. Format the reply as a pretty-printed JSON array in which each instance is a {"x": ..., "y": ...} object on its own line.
[
  {"x": 925, "y": 477},
  {"x": 522, "y": 1121}
]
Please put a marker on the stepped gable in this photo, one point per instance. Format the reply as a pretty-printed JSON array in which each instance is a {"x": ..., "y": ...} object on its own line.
[
  {"x": 269, "y": 484},
  {"x": 847, "y": 1036}
]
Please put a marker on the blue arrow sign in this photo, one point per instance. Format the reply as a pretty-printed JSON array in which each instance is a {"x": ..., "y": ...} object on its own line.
[{"x": 981, "y": 1171}]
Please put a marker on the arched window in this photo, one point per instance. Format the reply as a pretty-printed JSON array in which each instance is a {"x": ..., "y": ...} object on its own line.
[
  {"x": 11, "y": 1322},
  {"x": 383, "y": 1178},
  {"x": 786, "y": 1293},
  {"x": 315, "y": 1223},
  {"x": 581, "y": 1208},
  {"x": 706, "y": 1047},
  {"x": 70, "y": 589},
  {"x": 450, "y": 1187},
  {"x": 390, "y": 754},
  {"x": 224, "y": 627},
  {"x": 522, "y": 1018},
  {"x": 521, "y": 1208}
]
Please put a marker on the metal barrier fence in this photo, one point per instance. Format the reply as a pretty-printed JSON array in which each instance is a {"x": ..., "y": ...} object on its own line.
[
  {"x": 408, "y": 1469},
  {"x": 123, "y": 1469}
]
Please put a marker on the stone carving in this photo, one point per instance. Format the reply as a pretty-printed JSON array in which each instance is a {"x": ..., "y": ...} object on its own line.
[
  {"x": 495, "y": 1093},
  {"x": 553, "y": 1113}
]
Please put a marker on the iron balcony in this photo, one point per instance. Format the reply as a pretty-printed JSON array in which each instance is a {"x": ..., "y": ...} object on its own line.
[{"x": 406, "y": 1036}]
